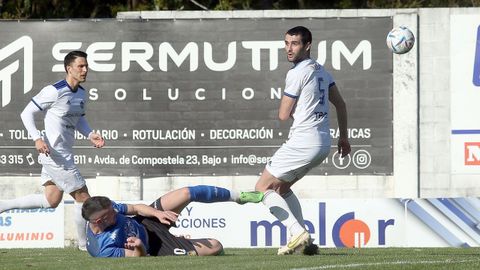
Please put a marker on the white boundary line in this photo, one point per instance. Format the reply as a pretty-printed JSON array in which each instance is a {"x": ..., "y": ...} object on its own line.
[{"x": 355, "y": 265}]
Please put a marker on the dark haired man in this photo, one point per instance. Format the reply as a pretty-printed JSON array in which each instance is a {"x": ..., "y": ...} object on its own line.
[
  {"x": 308, "y": 90},
  {"x": 112, "y": 232},
  {"x": 62, "y": 105}
]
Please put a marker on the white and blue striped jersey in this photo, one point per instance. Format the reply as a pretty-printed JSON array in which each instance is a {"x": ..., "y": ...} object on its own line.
[
  {"x": 64, "y": 108},
  {"x": 309, "y": 83}
]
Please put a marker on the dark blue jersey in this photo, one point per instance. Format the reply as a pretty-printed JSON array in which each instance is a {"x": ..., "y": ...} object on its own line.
[{"x": 111, "y": 242}]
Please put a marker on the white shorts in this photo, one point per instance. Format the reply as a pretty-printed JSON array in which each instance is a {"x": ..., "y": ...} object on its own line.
[
  {"x": 292, "y": 163},
  {"x": 66, "y": 179}
]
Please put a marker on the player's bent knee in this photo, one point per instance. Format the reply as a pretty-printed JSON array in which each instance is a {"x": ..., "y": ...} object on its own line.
[
  {"x": 185, "y": 192},
  {"x": 54, "y": 205},
  {"x": 217, "y": 247},
  {"x": 53, "y": 201}
]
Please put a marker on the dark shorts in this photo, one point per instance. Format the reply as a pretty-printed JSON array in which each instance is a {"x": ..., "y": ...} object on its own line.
[{"x": 160, "y": 241}]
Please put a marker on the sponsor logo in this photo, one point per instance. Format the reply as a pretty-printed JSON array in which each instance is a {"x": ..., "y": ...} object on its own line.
[
  {"x": 472, "y": 153},
  {"x": 347, "y": 231},
  {"x": 194, "y": 55},
  {"x": 24, "y": 43},
  {"x": 341, "y": 162},
  {"x": 362, "y": 159},
  {"x": 113, "y": 235},
  {"x": 354, "y": 233}
]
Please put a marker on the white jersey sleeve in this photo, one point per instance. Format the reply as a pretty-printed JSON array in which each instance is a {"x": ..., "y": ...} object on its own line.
[
  {"x": 28, "y": 119},
  {"x": 329, "y": 78},
  {"x": 46, "y": 97},
  {"x": 293, "y": 84}
]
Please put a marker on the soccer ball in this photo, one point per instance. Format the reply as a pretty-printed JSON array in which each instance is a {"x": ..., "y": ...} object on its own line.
[{"x": 400, "y": 40}]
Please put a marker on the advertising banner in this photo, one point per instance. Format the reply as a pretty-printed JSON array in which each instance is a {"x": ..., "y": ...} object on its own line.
[
  {"x": 343, "y": 223},
  {"x": 173, "y": 97},
  {"x": 465, "y": 89},
  {"x": 32, "y": 228}
]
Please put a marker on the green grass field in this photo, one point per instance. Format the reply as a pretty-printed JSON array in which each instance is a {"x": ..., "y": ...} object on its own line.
[{"x": 373, "y": 258}]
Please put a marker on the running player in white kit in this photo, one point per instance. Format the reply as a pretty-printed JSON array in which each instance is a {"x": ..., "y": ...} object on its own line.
[
  {"x": 63, "y": 106},
  {"x": 308, "y": 90}
]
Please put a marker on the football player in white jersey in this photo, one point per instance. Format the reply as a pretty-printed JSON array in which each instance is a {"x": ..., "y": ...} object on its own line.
[
  {"x": 308, "y": 90},
  {"x": 63, "y": 106}
]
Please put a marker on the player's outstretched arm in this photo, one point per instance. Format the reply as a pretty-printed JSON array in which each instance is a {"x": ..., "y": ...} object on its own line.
[
  {"x": 336, "y": 99},
  {"x": 165, "y": 217},
  {"x": 287, "y": 107}
]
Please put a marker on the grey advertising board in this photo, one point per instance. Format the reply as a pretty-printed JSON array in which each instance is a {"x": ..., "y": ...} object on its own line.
[{"x": 195, "y": 97}]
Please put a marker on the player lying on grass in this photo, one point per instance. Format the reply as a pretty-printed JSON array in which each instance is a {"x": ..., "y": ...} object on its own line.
[{"x": 111, "y": 232}]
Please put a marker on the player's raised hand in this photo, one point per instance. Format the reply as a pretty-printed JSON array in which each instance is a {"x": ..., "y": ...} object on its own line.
[
  {"x": 97, "y": 140},
  {"x": 343, "y": 146},
  {"x": 166, "y": 217},
  {"x": 42, "y": 147}
]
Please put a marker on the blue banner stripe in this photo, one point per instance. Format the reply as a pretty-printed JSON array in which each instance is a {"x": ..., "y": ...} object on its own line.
[
  {"x": 468, "y": 207},
  {"x": 458, "y": 213},
  {"x": 465, "y": 131},
  {"x": 476, "y": 65},
  {"x": 434, "y": 224}
]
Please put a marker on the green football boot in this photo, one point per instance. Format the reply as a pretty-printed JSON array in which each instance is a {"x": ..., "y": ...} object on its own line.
[{"x": 250, "y": 197}]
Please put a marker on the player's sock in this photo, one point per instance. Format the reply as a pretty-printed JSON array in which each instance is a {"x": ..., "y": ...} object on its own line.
[
  {"x": 296, "y": 208},
  {"x": 279, "y": 208},
  {"x": 234, "y": 195},
  {"x": 209, "y": 194},
  {"x": 294, "y": 205},
  {"x": 26, "y": 202},
  {"x": 81, "y": 226}
]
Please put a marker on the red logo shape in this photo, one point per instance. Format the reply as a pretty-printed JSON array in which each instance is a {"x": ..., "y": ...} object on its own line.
[
  {"x": 354, "y": 233},
  {"x": 472, "y": 153}
]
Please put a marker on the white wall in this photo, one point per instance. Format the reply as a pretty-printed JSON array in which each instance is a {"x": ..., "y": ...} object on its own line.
[{"x": 436, "y": 177}]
